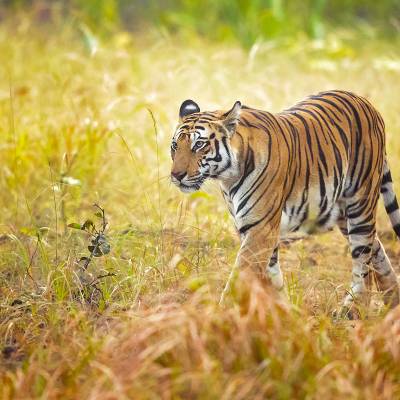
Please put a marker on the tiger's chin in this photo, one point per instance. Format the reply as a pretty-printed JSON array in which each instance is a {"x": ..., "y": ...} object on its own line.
[{"x": 189, "y": 189}]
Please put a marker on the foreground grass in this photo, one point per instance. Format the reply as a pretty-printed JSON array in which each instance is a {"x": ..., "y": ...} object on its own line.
[{"x": 75, "y": 129}]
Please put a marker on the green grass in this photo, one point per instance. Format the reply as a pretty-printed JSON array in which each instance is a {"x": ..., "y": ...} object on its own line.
[{"x": 76, "y": 129}]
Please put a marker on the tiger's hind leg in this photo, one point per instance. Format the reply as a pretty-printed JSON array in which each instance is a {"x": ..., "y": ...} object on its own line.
[
  {"x": 361, "y": 239},
  {"x": 386, "y": 279},
  {"x": 273, "y": 270}
]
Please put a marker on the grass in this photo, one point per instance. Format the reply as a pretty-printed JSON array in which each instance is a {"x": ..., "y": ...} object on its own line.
[{"x": 75, "y": 130}]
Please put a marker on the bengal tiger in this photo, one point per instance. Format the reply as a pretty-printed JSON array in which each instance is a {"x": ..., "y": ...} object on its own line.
[{"x": 315, "y": 165}]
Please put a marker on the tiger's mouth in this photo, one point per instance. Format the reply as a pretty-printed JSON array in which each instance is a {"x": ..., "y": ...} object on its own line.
[
  {"x": 191, "y": 187},
  {"x": 188, "y": 184}
]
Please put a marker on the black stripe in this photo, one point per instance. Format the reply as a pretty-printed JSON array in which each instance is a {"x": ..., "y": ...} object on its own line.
[
  {"x": 387, "y": 177},
  {"x": 307, "y": 132},
  {"x": 396, "y": 228},
  {"x": 245, "y": 228},
  {"x": 248, "y": 169},
  {"x": 361, "y": 230},
  {"x": 355, "y": 185},
  {"x": 274, "y": 258},
  {"x": 217, "y": 157},
  {"x": 359, "y": 250},
  {"x": 393, "y": 206},
  {"x": 324, "y": 220},
  {"x": 229, "y": 163},
  {"x": 322, "y": 188},
  {"x": 262, "y": 195},
  {"x": 384, "y": 190}
]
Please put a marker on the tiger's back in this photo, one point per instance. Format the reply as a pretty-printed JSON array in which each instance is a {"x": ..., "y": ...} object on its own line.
[{"x": 333, "y": 145}]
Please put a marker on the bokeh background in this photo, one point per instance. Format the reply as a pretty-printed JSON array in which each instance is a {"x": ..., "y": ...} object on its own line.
[
  {"x": 239, "y": 20},
  {"x": 89, "y": 97}
]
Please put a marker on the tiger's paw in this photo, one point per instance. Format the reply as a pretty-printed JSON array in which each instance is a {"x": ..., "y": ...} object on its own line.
[
  {"x": 350, "y": 313},
  {"x": 275, "y": 276}
]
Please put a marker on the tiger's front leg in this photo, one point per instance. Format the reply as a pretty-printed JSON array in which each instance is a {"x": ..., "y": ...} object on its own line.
[
  {"x": 273, "y": 270},
  {"x": 257, "y": 255}
]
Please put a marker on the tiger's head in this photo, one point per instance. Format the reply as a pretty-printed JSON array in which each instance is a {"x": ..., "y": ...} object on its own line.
[{"x": 201, "y": 145}]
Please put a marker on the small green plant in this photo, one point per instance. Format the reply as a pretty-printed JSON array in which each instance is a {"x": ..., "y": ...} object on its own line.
[{"x": 98, "y": 247}]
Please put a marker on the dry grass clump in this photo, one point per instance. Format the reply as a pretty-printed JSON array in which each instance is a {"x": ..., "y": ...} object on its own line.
[
  {"x": 260, "y": 348},
  {"x": 75, "y": 130}
]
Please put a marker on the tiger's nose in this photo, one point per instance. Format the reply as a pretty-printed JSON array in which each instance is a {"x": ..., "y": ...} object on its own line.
[{"x": 178, "y": 175}]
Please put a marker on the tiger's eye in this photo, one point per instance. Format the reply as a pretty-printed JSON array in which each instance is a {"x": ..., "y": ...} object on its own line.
[{"x": 198, "y": 145}]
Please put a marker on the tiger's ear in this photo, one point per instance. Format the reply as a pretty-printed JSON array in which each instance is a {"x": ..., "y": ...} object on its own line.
[
  {"x": 188, "y": 107},
  {"x": 231, "y": 118}
]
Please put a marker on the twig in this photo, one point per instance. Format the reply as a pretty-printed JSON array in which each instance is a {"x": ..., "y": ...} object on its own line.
[
  {"x": 55, "y": 209},
  {"x": 158, "y": 184},
  {"x": 28, "y": 268}
]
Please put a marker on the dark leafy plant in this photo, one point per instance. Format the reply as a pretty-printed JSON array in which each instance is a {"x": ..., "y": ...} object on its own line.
[{"x": 98, "y": 247}]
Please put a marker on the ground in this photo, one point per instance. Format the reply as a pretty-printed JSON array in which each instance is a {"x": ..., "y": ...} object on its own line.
[{"x": 87, "y": 120}]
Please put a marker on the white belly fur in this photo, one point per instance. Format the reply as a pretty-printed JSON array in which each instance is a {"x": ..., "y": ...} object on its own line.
[{"x": 310, "y": 225}]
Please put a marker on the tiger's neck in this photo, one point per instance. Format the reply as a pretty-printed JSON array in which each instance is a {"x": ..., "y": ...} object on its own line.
[{"x": 249, "y": 162}]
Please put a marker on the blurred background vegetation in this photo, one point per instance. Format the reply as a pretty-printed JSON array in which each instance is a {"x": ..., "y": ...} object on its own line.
[
  {"x": 241, "y": 20},
  {"x": 77, "y": 81}
]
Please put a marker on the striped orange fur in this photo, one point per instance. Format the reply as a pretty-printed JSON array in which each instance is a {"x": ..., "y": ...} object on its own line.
[{"x": 315, "y": 165}]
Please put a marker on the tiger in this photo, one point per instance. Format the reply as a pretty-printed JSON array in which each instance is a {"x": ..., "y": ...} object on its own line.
[{"x": 319, "y": 164}]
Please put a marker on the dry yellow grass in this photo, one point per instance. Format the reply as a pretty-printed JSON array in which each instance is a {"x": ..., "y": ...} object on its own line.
[{"x": 75, "y": 129}]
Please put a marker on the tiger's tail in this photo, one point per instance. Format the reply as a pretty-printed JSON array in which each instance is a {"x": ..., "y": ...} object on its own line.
[{"x": 390, "y": 199}]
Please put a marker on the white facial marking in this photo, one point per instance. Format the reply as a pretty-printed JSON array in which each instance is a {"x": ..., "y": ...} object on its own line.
[{"x": 191, "y": 108}]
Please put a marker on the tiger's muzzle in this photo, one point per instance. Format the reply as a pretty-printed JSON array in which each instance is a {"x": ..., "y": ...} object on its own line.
[{"x": 185, "y": 183}]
